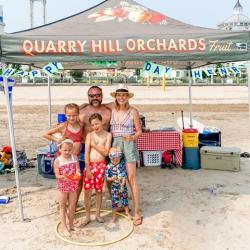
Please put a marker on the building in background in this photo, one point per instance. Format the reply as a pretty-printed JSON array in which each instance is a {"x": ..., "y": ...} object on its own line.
[
  {"x": 237, "y": 21},
  {"x": 32, "y": 11}
]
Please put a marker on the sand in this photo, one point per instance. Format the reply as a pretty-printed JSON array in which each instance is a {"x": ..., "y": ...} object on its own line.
[{"x": 179, "y": 209}]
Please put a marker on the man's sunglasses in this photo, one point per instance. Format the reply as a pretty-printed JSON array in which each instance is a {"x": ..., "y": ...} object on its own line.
[{"x": 94, "y": 95}]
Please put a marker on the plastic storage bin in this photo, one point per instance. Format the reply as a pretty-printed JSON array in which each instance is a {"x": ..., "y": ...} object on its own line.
[
  {"x": 190, "y": 138},
  {"x": 152, "y": 158},
  {"x": 220, "y": 158},
  {"x": 191, "y": 158}
]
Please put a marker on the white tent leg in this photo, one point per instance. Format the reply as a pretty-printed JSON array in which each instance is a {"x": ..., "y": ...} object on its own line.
[
  {"x": 190, "y": 98},
  {"x": 248, "y": 79},
  {"x": 13, "y": 146},
  {"x": 49, "y": 104}
]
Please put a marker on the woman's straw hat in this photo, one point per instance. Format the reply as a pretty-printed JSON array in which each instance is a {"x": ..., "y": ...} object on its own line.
[{"x": 122, "y": 88}]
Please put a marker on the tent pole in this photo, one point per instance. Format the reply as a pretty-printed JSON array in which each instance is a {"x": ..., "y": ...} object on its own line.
[
  {"x": 13, "y": 145},
  {"x": 248, "y": 80},
  {"x": 190, "y": 97},
  {"x": 49, "y": 104}
]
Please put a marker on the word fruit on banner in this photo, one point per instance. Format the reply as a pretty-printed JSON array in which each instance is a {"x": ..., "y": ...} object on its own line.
[
  {"x": 223, "y": 71},
  {"x": 156, "y": 70},
  {"x": 50, "y": 69}
]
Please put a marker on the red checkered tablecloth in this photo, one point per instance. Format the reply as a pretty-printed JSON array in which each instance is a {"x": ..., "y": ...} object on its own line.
[{"x": 162, "y": 140}]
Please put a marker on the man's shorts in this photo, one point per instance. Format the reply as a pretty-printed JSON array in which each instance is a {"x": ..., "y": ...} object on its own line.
[
  {"x": 128, "y": 149},
  {"x": 96, "y": 182},
  {"x": 81, "y": 158}
]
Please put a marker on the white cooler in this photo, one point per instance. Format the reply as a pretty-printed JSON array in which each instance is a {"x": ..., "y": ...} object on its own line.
[{"x": 220, "y": 158}]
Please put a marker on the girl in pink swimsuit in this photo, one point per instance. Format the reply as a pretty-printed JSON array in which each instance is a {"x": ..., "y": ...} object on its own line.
[{"x": 65, "y": 166}]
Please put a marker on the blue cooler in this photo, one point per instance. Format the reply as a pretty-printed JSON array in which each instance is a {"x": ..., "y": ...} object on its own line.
[
  {"x": 191, "y": 158},
  {"x": 210, "y": 139},
  {"x": 45, "y": 161}
]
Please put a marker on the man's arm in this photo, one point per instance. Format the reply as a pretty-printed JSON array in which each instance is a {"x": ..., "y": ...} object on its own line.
[
  {"x": 82, "y": 106},
  {"x": 110, "y": 105}
]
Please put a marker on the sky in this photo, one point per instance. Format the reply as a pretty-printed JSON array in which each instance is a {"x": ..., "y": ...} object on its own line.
[{"x": 197, "y": 12}]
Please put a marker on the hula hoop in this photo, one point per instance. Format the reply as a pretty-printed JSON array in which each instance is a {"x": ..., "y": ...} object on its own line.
[{"x": 97, "y": 243}]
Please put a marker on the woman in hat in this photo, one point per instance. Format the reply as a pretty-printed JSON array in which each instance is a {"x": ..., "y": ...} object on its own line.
[{"x": 125, "y": 127}]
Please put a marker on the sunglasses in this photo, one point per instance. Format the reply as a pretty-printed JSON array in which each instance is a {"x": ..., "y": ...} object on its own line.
[
  {"x": 94, "y": 95},
  {"x": 115, "y": 155}
]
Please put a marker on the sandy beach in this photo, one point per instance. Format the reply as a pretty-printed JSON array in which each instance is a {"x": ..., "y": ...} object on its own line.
[{"x": 179, "y": 210}]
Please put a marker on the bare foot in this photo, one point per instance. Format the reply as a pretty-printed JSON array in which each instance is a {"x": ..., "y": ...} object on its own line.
[
  {"x": 66, "y": 233},
  {"x": 85, "y": 222},
  {"x": 99, "y": 219},
  {"x": 138, "y": 220},
  {"x": 113, "y": 220},
  {"x": 129, "y": 216}
]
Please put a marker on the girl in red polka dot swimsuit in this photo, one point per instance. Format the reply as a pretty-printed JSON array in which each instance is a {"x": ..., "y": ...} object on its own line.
[{"x": 65, "y": 167}]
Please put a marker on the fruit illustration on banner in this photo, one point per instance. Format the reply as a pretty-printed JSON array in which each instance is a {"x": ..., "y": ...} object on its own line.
[{"x": 131, "y": 12}]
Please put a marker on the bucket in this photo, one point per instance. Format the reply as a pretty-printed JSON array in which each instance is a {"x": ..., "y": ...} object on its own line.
[
  {"x": 191, "y": 158},
  {"x": 190, "y": 138},
  {"x": 61, "y": 118}
]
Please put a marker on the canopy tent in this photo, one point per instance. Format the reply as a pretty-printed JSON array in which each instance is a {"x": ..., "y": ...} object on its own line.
[{"x": 122, "y": 31}]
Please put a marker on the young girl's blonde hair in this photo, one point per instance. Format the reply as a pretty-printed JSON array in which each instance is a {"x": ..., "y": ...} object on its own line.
[
  {"x": 67, "y": 141},
  {"x": 71, "y": 106}
]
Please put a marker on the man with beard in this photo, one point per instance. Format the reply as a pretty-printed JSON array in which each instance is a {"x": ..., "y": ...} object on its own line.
[{"x": 95, "y": 106}]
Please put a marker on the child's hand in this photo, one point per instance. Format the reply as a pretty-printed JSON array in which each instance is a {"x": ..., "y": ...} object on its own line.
[
  {"x": 89, "y": 174},
  {"x": 59, "y": 140},
  {"x": 114, "y": 178},
  {"x": 121, "y": 189}
]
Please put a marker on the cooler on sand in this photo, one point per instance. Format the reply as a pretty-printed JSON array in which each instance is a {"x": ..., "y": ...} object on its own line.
[
  {"x": 45, "y": 161},
  {"x": 220, "y": 158},
  {"x": 190, "y": 137},
  {"x": 191, "y": 159}
]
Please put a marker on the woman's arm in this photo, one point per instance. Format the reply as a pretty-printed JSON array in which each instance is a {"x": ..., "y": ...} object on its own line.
[{"x": 137, "y": 123}]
